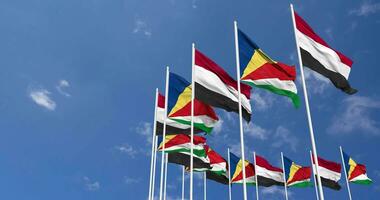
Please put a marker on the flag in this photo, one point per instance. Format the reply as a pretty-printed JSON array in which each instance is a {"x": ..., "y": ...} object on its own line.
[
  {"x": 259, "y": 70},
  {"x": 215, "y": 87},
  {"x": 179, "y": 105},
  {"x": 296, "y": 175},
  {"x": 356, "y": 173},
  {"x": 237, "y": 170},
  {"x": 181, "y": 143},
  {"x": 184, "y": 159},
  {"x": 319, "y": 56},
  {"x": 172, "y": 127},
  {"x": 329, "y": 172},
  {"x": 268, "y": 175}
]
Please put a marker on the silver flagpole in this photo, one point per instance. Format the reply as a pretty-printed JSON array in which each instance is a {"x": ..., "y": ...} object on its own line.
[
  {"x": 257, "y": 182},
  {"x": 183, "y": 182},
  {"x": 229, "y": 175},
  {"x": 192, "y": 120},
  {"x": 314, "y": 147},
  {"x": 285, "y": 183},
  {"x": 153, "y": 148},
  {"x": 240, "y": 110},
  {"x": 204, "y": 186},
  {"x": 154, "y": 166},
  {"x": 166, "y": 174},
  {"x": 345, "y": 172},
  {"x": 315, "y": 181},
  {"x": 164, "y": 133}
]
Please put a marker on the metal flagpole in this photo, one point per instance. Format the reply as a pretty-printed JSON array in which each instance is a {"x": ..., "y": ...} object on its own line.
[
  {"x": 315, "y": 181},
  {"x": 153, "y": 148},
  {"x": 257, "y": 182},
  {"x": 164, "y": 132},
  {"x": 229, "y": 175},
  {"x": 240, "y": 110},
  {"x": 166, "y": 174},
  {"x": 307, "y": 106},
  {"x": 192, "y": 120},
  {"x": 154, "y": 165},
  {"x": 204, "y": 186},
  {"x": 183, "y": 182},
  {"x": 285, "y": 182},
  {"x": 345, "y": 172}
]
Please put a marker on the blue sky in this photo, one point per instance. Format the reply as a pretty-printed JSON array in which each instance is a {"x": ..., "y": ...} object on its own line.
[{"x": 77, "y": 88}]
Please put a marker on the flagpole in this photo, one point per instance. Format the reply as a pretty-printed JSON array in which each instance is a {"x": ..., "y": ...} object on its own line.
[
  {"x": 315, "y": 181},
  {"x": 166, "y": 174},
  {"x": 204, "y": 186},
  {"x": 153, "y": 149},
  {"x": 183, "y": 182},
  {"x": 345, "y": 172},
  {"x": 307, "y": 107},
  {"x": 192, "y": 120},
  {"x": 284, "y": 175},
  {"x": 257, "y": 182},
  {"x": 164, "y": 132},
  {"x": 240, "y": 111},
  {"x": 229, "y": 175},
  {"x": 154, "y": 165}
]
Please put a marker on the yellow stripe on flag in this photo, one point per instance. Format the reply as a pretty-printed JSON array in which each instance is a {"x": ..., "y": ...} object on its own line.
[
  {"x": 258, "y": 59},
  {"x": 183, "y": 99}
]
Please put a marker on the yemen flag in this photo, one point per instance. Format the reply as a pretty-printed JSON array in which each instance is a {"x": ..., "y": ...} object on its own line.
[
  {"x": 356, "y": 173},
  {"x": 329, "y": 172},
  {"x": 172, "y": 127},
  {"x": 268, "y": 175},
  {"x": 296, "y": 175},
  {"x": 319, "y": 56},
  {"x": 179, "y": 105},
  {"x": 215, "y": 87},
  {"x": 237, "y": 170},
  {"x": 181, "y": 143},
  {"x": 259, "y": 70}
]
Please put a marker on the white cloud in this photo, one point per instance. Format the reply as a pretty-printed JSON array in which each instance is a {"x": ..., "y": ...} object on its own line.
[
  {"x": 62, "y": 84},
  {"x": 91, "y": 185},
  {"x": 218, "y": 127},
  {"x": 356, "y": 116},
  {"x": 261, "y": 101},
  {"x": 127, "y": 149},
  {"x": 315, "y": 82},
  {"x": 41, "y": 97},
  {"x": 145, "y": 129},
  {"x": 366, "y": 8},
  {"x": 129, "y": 180},
  {"x": 142, "y": 27},
  {"x": 275, "y": 191},
  {"x": 329, "y": 32},
  {"x": 194, "y": 4},
  {"x": 283, "y": 137},
  {"x": 256, "y": 131}
]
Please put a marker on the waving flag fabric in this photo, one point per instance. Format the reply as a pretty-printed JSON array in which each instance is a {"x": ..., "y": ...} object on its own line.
[
  {"x": 237, "y": 170},
  {"x": 182, "y": 143},
  {"x": 268, "y": 175},
  {"x": 296, "y": 175},
  {"x": 172, "y": 127},
  {"x": 356, "y": 173},
  {"x": 183, "y": 158},
  {"x": 319, "y": 56},
  {"x": 215, "y": 87},
  {"x": 329, "y": 172},
  {"x": 179, "y": 105},
  {"x": 259, "y": 70}
]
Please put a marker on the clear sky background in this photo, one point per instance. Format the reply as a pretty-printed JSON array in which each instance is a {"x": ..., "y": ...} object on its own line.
[{"x": 77, "y": 82}]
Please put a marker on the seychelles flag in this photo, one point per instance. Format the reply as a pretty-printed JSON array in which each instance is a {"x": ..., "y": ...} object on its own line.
[
  {"x": 259, "y": 70},
  {"x": 296, "y": 175},
  {"x": 181, "y": 143},
  {"x": 356, "y": 173},
  {"x": 237, "y": 170},
  {"x": 179, "y": 105}
]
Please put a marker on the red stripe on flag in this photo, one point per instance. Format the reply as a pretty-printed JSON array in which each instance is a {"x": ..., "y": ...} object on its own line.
[
  {"x": 161, "y": 101},
  {"x": 273, "y": 70},
  {"x": 330, "y": 165},
  {"x": 260, "y": 161},
  {"x": 359, "y": 170},
  {"x": 199, "y": 109},
  {"x": 301, "y": 174}
]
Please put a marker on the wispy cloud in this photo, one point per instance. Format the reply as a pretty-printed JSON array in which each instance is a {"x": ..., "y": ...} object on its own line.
[
  {"x": 142, "y": 28},
  {"x": 283, "y": 137},
  {"x": 130, "y": 180},
  {"x": 316, "y": 83},
  {"x": 145, "y": 129},
  {"x": 366, "y": 8},
  {"x": 127, "y": 149},
  {"x": 261, "y": 100},
  {"x": 355, "y": 114},
  {"x": 194, "y": 4},
  {"x": 42, "y": 98},
  {"x": 218, "y": 127},
  {"x": 274, "y": 191},
  {"x": 62, "y": 85},
  {"x": 329, "y": 33},
  {"x": 256, "y": 131},
  {"x": 91, "y": 185}
]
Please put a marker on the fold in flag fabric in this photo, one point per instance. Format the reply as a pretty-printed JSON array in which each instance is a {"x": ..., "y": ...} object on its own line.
[
  {"x": 172, "y": 127},
  {"x": 268, "y": 175},
  {"x": 215, "y": 87},
  {"x": 296, "y": 175},
  {"x": 181, "y": 143},
  {"x": 329, "y": 172},
  {"x": 179, "y": 105},
  {"x": 259, "y": 70},
  {"x": 356, "y": 173},
  {"x": 237, "y": 170},
  {"x": 319, "y": 56},
  {"x": 184, "y": 159}
]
